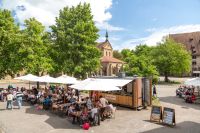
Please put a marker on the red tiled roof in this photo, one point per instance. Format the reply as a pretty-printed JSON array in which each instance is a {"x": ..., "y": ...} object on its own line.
[{"x": 106, "y": 59}]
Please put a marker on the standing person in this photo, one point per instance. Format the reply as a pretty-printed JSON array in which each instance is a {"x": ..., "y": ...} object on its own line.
[
  {"x": 154, "y": 91},
  {"x": 9, "y": 100},
  {"x": 19, "y": 96}
]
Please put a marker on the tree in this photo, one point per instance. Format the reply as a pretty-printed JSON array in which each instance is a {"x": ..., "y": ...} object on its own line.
[
  {"x": 143, "y": 49},
  {"x": 34, "y": 50},
  {"x": 117, "y": 54},
  {"x": 9, "y": 45},
  {"x": 139, "y": 62},
  {"x": 171, "y": 58},
  {"x": 74, "y": 35}
]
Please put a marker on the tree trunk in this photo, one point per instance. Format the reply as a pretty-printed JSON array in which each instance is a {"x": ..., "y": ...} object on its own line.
[
  {"x": 166, "y": 78},
  {"x": 38, "y": 83}
]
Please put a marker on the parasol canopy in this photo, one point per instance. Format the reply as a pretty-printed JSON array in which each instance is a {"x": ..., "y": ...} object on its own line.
[
  {"x": 46, "y": 79},
  {"x": 193, "y": 81},
  {"x": 64, "y": 79},
  {"x": 28, "y": 77},
  {"x": 95, "y": 85}
]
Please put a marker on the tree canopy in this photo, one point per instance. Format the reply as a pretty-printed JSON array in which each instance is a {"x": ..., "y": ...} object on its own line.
[
  {"x": 34, "y": 50},
  {"x": 9, "y": 44},
  {"x": 117, "y": 54},
  {"x": 74, "y": 35},
  {"x": 171, "y": 58},
  {"x": 139, "y": 62}
]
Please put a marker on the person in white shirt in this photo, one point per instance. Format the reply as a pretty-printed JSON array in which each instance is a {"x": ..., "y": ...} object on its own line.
[
  {"x": 19, "y": 96},
  {"x": 103, "y": 101},
  {"x": 103, "y": 104},
  {"x": 9, "y": 101},
  {"x": 94, "y": 111}
]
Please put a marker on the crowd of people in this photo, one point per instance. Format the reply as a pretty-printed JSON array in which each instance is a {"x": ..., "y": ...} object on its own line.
[
  {"x": 81, "y": 109},
  {"x": 190, "y": 94}
]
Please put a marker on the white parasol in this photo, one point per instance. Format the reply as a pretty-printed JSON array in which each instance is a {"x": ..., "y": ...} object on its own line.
[
  {"x": 46, "y": 79},
  {"x": 28, "y": 77},
  {"x": 95, "y": 85},
  {"x": 193, "y": 81},
  {"x": 64, "y": 79}
]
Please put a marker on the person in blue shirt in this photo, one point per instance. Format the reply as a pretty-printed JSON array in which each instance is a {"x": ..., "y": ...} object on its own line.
[{"x": 47, "y": 103}]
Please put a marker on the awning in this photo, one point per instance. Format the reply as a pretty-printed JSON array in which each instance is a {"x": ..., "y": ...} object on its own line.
[
  {"x": 95, "y": 84},
  {"x": 117, "y": 82}
]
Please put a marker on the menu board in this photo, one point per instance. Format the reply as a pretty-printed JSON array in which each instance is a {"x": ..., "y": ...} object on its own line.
[
  {"x": 156, "y": 113},
  {"x": 168, "y": 116}
]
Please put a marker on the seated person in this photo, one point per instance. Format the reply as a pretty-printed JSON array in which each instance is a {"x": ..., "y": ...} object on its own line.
[
  {"x": 109, "y": 110},
  {"x": 84, "y": 115},
  {"x": 94, "y": 116},
  {"x": 72, "y": 100},
  {"x": 103, "y": 103},
  {"x": 47, "y": 102},
  {"x": 41, "y": 99},
  {"x": 94, "y": 111},
  {"x": 73, "y": 112}
]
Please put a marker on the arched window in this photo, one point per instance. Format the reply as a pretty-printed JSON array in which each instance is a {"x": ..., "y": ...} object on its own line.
[
  {"x": 109, "y": 53},
  {"x": 106, "y": 53}
]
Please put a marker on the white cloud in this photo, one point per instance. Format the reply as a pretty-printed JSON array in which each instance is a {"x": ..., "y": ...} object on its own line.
[
  {"x": 157, "y": 35},
  {"x": 46, "y": 10}
]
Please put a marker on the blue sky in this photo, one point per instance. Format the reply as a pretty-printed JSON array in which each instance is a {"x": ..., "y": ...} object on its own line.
[
  {"x": 144, "y": 18},
  {"x": 129, "y": 22}
]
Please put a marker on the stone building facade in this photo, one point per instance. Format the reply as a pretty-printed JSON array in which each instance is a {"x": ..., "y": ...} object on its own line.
[
  {"x": 110, "y": 66},
  {"x": 192, "y": 44}
]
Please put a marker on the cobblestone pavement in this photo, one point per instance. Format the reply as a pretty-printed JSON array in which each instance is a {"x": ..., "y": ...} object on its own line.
[{"x": 31, "y": 120}]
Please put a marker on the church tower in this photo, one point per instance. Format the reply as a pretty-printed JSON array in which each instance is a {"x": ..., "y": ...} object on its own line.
[{"x": 110, "y": 65}]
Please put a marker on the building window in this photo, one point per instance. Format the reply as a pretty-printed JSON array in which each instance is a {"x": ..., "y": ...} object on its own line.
[
  {"x": 191, "y": 39},
  {"x": 109, "y": 53},
  {"x": 194, "y": 69},
  {"x": 106, "y": 53},
  {"x": 194, "y": 57},
  {"x": 193, "y": 51},
  {"x": 194, "y": 63}
]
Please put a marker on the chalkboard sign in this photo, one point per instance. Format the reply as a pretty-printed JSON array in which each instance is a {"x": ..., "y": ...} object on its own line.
[
  {"x": 156, "y": 113},
  {"x": 169, "y": 116}
]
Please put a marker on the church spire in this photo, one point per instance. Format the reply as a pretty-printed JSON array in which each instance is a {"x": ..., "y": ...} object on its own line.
[{"x": 106, "y": 35}]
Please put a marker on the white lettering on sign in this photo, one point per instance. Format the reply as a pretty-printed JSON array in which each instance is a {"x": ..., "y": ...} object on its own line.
[{"x": 110, "y": 97}]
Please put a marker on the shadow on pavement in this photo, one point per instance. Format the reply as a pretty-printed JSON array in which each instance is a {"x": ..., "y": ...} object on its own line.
[
  {"x": 124, "y": 108},
  {"x": 2, "y": 109},
  {"x": 179, "y": 101},
  {"x": 54, "y": 120},
  {"x": 183, "y": 127}
]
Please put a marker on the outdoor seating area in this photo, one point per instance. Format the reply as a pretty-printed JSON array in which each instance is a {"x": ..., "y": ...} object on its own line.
[
  {"x": 69, "y": 104},
  {"x": 190, "y": 94},
  {"x": 190, "y": 91},
  {"x": 66, "y": 101}
]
